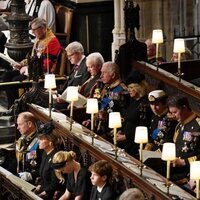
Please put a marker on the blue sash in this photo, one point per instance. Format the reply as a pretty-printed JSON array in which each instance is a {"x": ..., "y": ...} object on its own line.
[{"x": 106, "y": 100}]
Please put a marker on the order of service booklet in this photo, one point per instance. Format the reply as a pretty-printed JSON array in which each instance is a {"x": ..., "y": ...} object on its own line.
[
  {"x": 8, "y": 59},
  {"x": 82, "y": 100}
]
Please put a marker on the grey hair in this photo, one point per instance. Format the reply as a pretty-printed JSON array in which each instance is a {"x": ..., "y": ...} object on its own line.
[
  {"x": 39, "y": 22},
  {"x": 132, "y": 193},
  {"x": 75, "y": 47},
  {"x": 112, "y": 68},
  {"x": 96, "y": 58}
]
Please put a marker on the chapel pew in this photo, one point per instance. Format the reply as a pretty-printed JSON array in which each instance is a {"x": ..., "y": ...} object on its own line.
[
  {"x": 13, "y": 187},
  {"x": 189, "y": 68},
  {"x": 162, "y": 79},
  {"x": 126, "y": 170}
]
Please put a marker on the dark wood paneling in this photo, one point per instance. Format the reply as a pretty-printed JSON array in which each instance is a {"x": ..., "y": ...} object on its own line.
[
  {"x": 168, "y": 82},
  {"x": 190, "y": 68},
  {"x": 92, "y": 26}
]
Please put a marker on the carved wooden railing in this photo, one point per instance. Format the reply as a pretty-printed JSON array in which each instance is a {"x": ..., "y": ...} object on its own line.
[
  {"x": 12, "y": 187},
  {"x": 28, "y": 83},
  {"x": 189, "y": 68},
  {"x": 162, "y": 79},
  {"x": 126, "y": 167}
]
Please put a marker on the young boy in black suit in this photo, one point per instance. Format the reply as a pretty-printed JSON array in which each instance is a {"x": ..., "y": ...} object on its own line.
[{"x": 100, "y": 178}]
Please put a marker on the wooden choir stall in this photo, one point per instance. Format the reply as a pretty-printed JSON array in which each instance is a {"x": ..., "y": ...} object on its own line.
[{"x": 127, "y": 171}]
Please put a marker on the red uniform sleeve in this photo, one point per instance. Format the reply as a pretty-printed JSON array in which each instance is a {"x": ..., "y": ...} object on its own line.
[{"x": 53, "y": 49}]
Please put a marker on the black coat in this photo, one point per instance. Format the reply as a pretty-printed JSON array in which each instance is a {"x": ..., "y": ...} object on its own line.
[
  {"x": 138, "y": 113},
  {"x": 49, "y": 181}
]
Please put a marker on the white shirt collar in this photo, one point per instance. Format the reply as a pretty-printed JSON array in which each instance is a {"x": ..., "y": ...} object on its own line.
[{"x": 99, "y": 189}]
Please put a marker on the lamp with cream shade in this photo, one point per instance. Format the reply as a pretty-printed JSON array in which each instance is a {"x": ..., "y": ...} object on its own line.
[
  {"x": 168, "y": 154},
  {"x": 92, "y": 108},
  {"x": 115, "y": 122},
  {"x": 141, "y": 137},
  {"x": 195, "y": 175},
  {"x": 157, "y": 38},
  {"x": 72, "y": 95},
  {"x": 179, "y": 47},
  {"x": 50, "y": 83}
]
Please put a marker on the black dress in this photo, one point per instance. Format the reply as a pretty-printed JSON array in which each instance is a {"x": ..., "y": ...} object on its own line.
[
  {"x": 82, "y": 186},
  {"x": 107, "y": 193},
  {"x": 138, "y": 113},
  {"x": 49, "y": 181}
]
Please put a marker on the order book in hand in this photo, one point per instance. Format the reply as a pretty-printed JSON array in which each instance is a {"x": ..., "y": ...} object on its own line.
[
  {"x": 8, "y": 59},
  {"x": 82, "y": 100}
]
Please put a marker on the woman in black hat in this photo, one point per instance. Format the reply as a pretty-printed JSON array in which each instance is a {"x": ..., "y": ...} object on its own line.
[
  {"x": 48, "y": 183},
  {"x": 138, "y": 113}
]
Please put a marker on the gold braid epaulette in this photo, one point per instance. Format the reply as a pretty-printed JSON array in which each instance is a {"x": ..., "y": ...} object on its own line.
[{"x": 123, "y": 86}]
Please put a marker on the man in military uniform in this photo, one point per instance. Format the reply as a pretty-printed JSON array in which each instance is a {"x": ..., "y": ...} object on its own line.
[
  {"x": 28, "y": 155},
  {"x": 114, "y": 88},
  {"x": 110, "y": 92},
  {"x": 186, "y": 137},
  {"x": 162, "y": 123},
  {"x": 27, "y": 144}
]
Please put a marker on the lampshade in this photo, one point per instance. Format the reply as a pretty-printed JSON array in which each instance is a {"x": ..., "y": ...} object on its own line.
[
  {"x": 168, "y": 151},
  {"x": 157, "y": 36},
  {"x": 114, "y": 120},
  {"x": 179, "y": 45},
  {"x": 92, "y": 106},
  {"x": 194, "y": 170},
  {"x": 141, "y": 134},
  {"x": 72, "y": 93},
  {"x": 50, "y": 81}
]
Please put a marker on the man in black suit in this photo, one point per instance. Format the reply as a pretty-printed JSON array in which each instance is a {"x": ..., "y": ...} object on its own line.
[{"x": 79, "y": 73}]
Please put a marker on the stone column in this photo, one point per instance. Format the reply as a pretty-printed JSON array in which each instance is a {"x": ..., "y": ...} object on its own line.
[{"x": 118, "y": 31}]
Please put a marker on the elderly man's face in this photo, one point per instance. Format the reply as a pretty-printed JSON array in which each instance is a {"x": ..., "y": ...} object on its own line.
[
  {"x": 92, "y": 68},
  {"x": 38, "y": 31},
  {"x": 151, "y": 51},
  {"x": 106, "y": 75}
]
